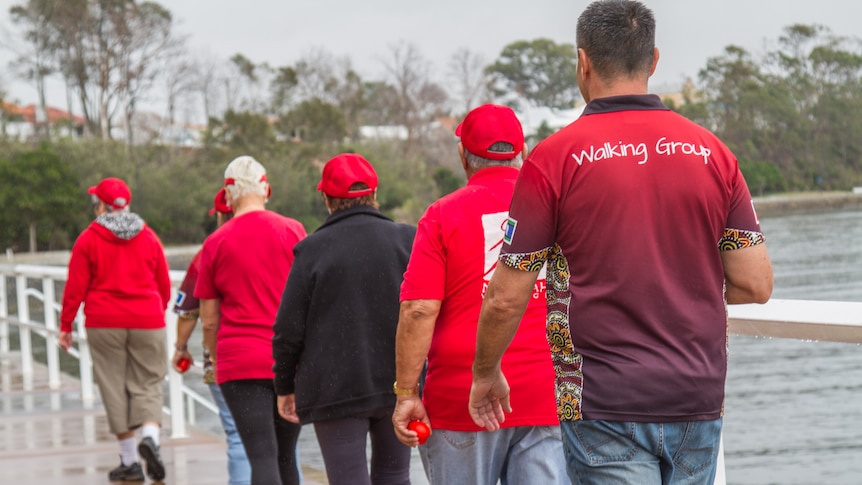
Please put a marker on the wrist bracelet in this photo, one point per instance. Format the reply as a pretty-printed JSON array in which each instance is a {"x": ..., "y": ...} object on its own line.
[
  {"x": 401, "y": 391},
  {"x": 181, "y": 347}
]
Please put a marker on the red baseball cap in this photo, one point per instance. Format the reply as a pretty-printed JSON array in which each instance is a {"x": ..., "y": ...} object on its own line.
[
  {"x": 220, "y": 203},
  {"x": 345, "y": 170},
  {"x": 489, "y": 124},
  {"x": 113, "y": 192}
]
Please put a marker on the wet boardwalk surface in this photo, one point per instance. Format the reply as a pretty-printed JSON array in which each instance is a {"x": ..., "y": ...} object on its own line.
[{"x": 47, "y": 437}]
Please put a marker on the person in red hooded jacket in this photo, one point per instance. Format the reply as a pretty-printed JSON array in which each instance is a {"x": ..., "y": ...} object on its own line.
[{"x": 118, "y": 270}]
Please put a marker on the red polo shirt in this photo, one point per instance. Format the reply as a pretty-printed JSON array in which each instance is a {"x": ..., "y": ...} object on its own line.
[{"x": 454, "y": 255}]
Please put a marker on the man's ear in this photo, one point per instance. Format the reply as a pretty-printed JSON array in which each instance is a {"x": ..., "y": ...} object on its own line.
[
  {"x": 655, "y": 56},
  {"x": 463, "y": 155}
]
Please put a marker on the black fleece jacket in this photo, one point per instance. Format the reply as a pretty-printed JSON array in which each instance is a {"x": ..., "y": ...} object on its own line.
[{"x": 334, "y": 342}]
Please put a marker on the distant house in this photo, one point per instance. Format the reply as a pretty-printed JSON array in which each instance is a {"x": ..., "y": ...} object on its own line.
[
  {"x": 21, "y": 122},
  {"x": 383, "y": 132}
]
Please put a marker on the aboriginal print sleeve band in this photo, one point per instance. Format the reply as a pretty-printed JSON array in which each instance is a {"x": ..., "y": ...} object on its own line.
[
  {"x": 738, "y": 239},
  {"x": 526, "y": 261}
]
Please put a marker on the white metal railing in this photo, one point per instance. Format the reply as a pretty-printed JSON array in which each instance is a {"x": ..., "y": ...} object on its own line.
[
  {"x": 34, "y": 286},
  {"x": 795, "y": 319}
]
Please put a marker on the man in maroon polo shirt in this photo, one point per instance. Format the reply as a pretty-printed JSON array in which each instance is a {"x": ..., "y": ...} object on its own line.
[{"x": 648, "y": 230}]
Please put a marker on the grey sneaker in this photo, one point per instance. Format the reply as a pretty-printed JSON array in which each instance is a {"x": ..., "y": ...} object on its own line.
[
  {"x": 127, "y": 473},
  {"x": 149, "y": 451}
]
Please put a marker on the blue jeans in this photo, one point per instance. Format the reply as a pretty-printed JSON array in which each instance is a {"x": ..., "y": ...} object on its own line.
[
  {"x": 617, "y": 452},
  {"x": 239, "y": 471},
  {"x": 517, "y": 455}
]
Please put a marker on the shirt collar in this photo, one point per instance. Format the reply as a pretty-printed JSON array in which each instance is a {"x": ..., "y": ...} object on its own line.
[{"x": 636, "y": 102}]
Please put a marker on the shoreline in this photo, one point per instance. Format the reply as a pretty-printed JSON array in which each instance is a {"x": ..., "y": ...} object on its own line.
[
  {"x": 775, "y": 205},
  {"x": 806, "y": 203}
]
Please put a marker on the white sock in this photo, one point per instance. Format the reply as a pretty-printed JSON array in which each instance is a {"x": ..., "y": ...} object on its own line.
[
  {"x": 128, "y": 451},
  {"x": 152, "y": 431}
]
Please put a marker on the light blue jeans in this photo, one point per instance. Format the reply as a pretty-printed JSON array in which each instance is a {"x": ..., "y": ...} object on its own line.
[
  {"x": 616, "y": 452},
  {"x": 239, "y": 471},
  {"x": 512, "y": 456}
]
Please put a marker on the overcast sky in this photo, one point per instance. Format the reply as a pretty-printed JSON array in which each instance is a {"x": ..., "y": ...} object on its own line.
[{"x": 280, "y": 32}]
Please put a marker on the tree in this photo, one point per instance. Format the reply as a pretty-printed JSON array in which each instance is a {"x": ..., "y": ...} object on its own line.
[
  {"x": 380, "y": 105},
  {"x": 331, "y": 80},
  {"x": 178, "y": 79},
  {"x": 316, "y": 121},
  {"x": 244, "y": 87},
  {"x": 418, "y": 99},
  {"x": 467, "y": 71},
  {"x": 38, "y": 190},
  {"x": 109, "y": 54},
  {"x": 36, "y": 62},
  {"x": 282, "y": 88},
  {"x": 245, "y": 130},
  {"x": 145, "y": 35},
  {"x": 540, "y": 72}
]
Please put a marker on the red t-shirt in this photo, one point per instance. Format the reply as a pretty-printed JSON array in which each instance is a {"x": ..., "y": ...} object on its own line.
[
  {"x": 630, "y": 206},
  {"x": 244, "y": 264},
  {"x": 454, "y": 255}
]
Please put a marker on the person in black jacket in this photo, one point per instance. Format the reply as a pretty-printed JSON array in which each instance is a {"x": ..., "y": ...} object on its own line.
[{"x": 334, "y": 341}]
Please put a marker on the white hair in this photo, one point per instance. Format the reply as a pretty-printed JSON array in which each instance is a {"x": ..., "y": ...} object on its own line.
[{"x": 249, "y": 177}]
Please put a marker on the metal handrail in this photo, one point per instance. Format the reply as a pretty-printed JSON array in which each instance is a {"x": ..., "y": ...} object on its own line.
[{"x": 178, "y": 393}]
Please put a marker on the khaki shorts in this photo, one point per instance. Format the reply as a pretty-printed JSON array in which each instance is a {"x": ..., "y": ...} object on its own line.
[{"x": 129, "y": 366}]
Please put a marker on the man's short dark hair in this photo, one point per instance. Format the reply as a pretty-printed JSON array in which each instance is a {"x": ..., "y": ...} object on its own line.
[
  {"x": 337, "y": 204},
  {"x": 619, "y": 37}
]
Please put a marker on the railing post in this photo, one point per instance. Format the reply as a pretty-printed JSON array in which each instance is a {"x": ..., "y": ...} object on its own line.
[
  {"x": 720, "y": 477},
  {"x": 85, "y": 363},
  {"x": 175, "y": 379},
  {"x": 51, "y": 348},
  {"x": 24, "y": 331},
  {"x": 4, "y": 313}
]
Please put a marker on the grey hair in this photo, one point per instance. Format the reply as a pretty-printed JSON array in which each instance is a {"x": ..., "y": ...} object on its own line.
[
  {"x": 108, "y": 207},
  {"x": 477, "y": 163}
]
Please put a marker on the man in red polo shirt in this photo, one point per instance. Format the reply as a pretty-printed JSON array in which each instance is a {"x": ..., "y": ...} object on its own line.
[
  {"x": 453, "y": 258},
  {"x": 648, "y": 230}
]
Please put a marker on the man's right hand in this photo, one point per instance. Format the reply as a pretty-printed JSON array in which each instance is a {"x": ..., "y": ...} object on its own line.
[
  {"x": 65, "y": 340},
  {"x": 409, "y": 408}
]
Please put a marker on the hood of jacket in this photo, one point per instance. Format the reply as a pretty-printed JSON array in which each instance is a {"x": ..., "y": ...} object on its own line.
[{"x": 122, "y": 225}]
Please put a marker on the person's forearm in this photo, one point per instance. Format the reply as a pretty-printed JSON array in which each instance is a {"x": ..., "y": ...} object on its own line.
[
  {"x": 497, "y": 327},
  {"x": 210, "y": 323},
  {"x": 185, "y": 327},
  {"x": 416, "y": 323}
]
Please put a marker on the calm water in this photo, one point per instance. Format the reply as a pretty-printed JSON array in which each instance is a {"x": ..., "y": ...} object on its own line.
[{"x": 794, "y": 409}]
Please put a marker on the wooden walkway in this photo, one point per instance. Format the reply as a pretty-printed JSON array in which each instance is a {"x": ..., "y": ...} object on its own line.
[{"x": 48, "y": 438}]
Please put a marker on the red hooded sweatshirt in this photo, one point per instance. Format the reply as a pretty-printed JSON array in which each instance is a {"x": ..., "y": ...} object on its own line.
[{"x": 119, "y": 271}]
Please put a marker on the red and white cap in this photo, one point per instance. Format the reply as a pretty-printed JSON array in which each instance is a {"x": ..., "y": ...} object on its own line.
[{"x": 113, "y": 192}]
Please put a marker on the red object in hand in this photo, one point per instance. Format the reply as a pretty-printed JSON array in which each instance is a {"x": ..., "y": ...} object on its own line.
[
  {"x": 422, "y": 430},
  {"x": 184, "y": 364}
]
